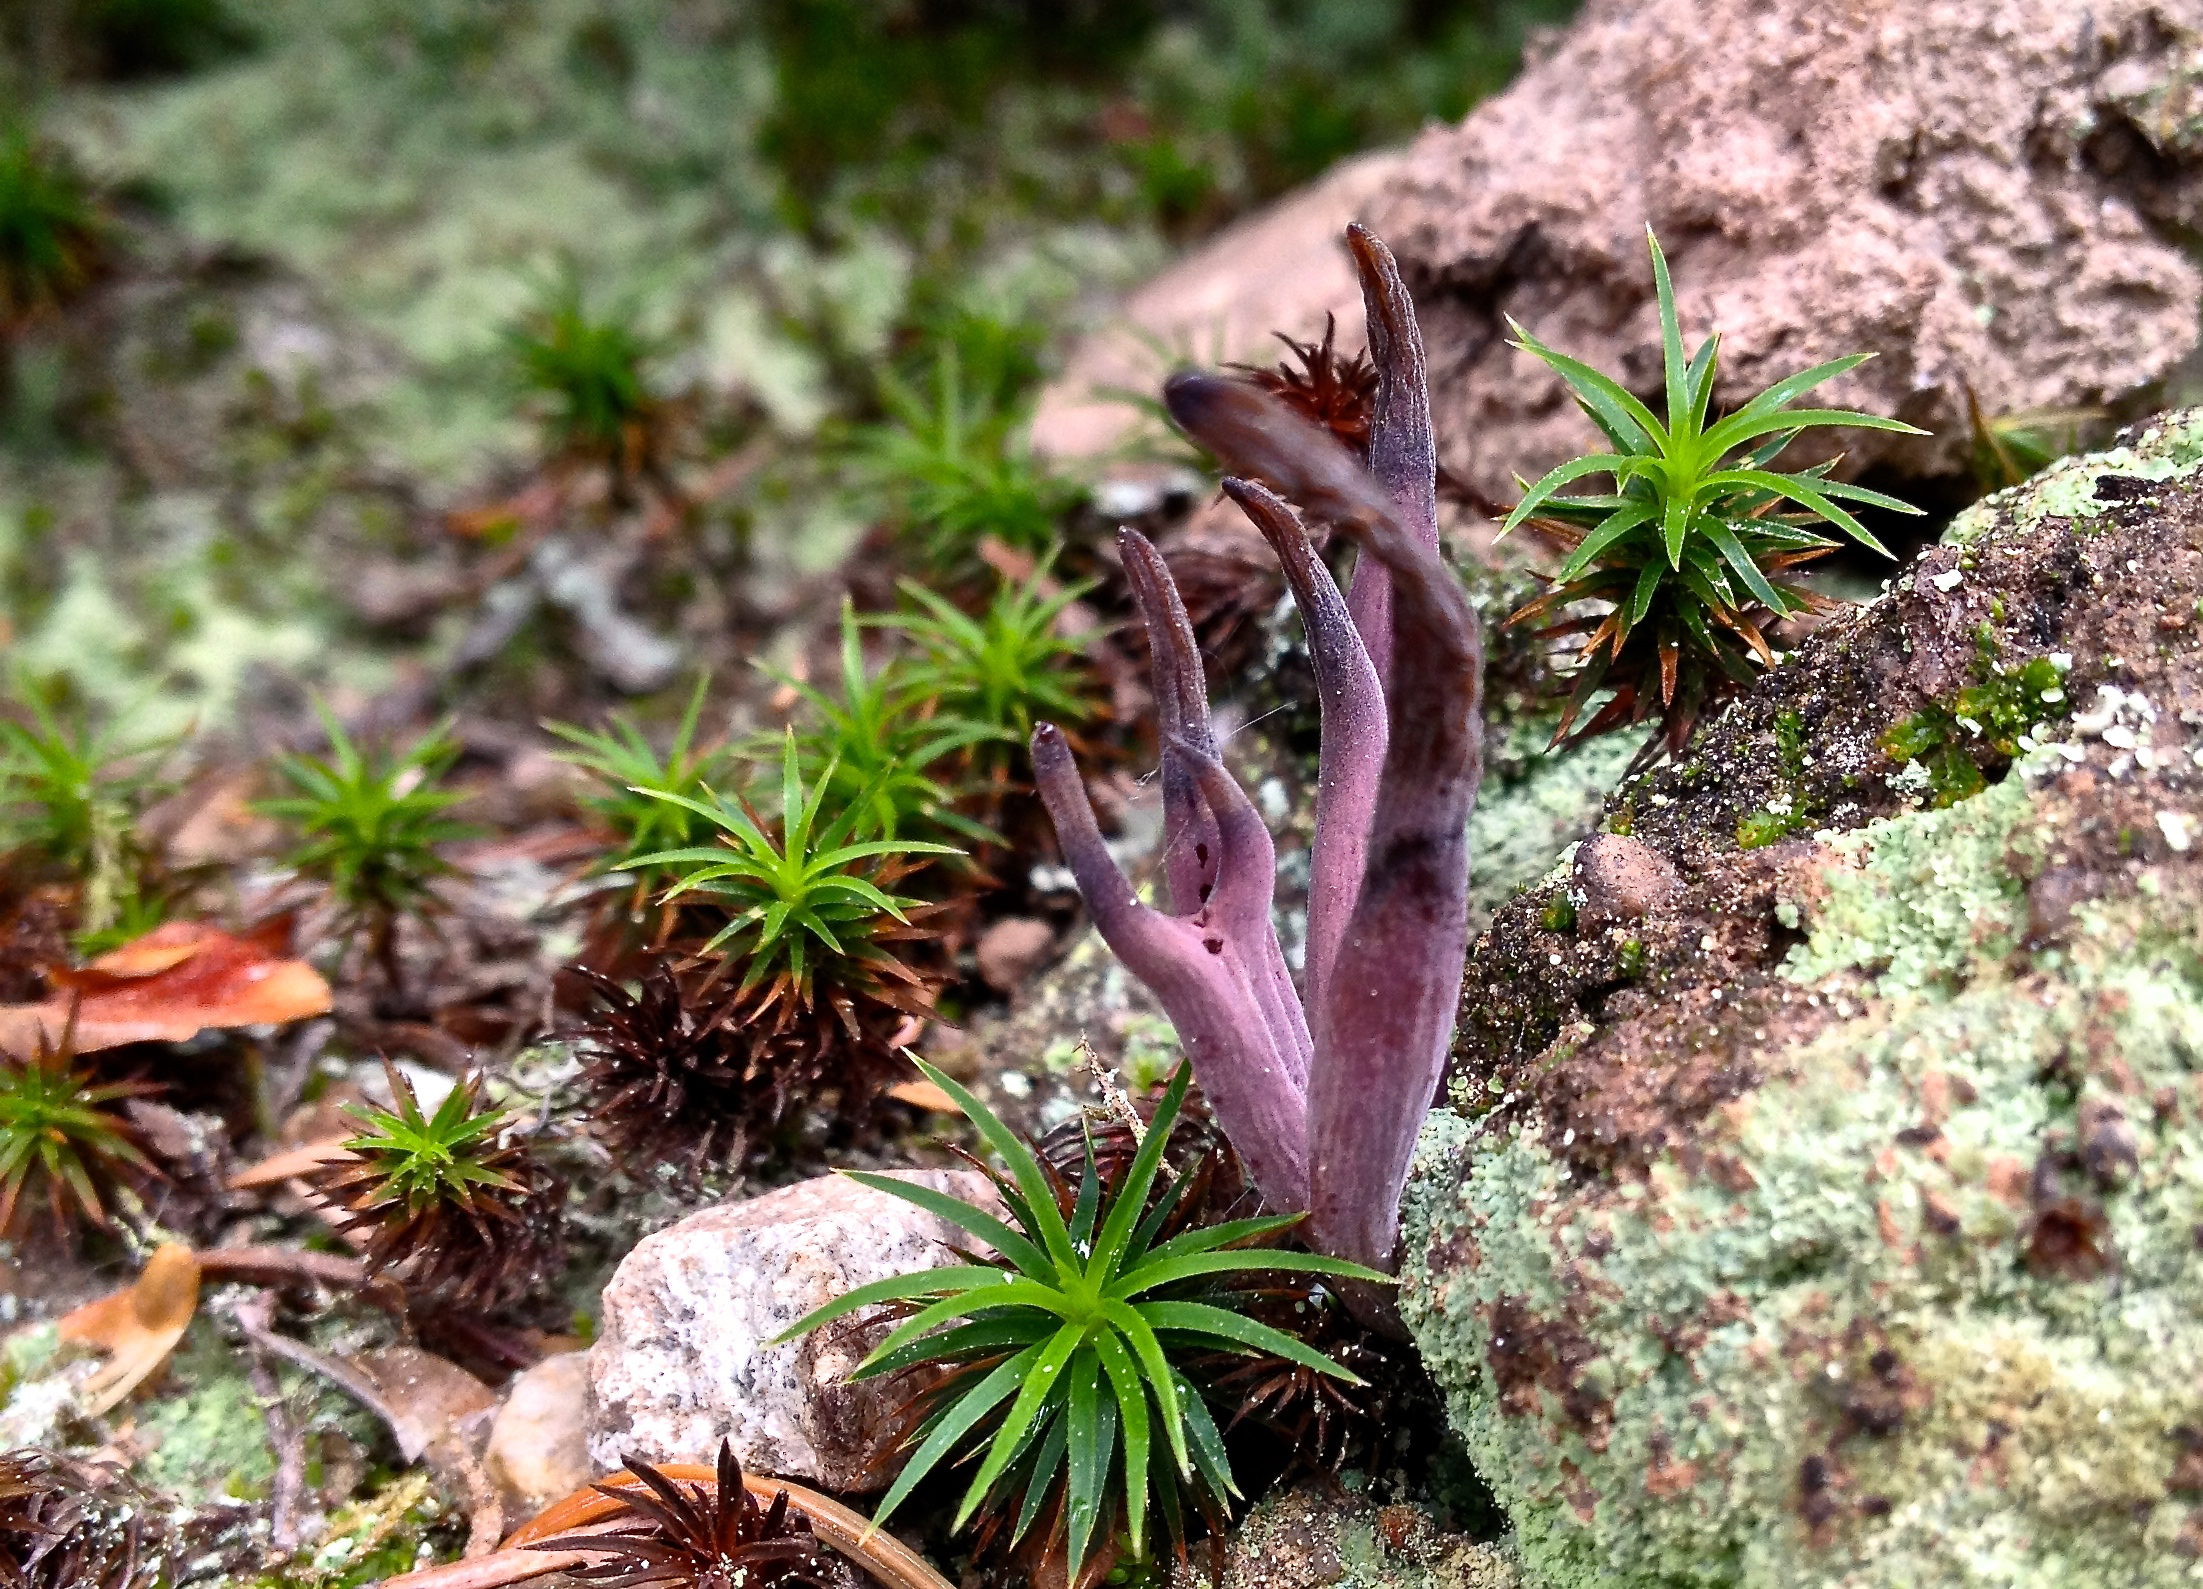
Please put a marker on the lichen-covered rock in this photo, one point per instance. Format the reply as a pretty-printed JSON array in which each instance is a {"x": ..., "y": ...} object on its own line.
[
  {"x": 1323, "y": 1536},
  {"x": 1989, "y": 196},
  {"x": 683, "y": 1359},
  {"x": 1836, "y": 1222}
]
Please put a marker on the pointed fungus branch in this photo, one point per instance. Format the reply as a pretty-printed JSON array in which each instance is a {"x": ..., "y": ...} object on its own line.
[
  {"x": 1351, "y": 701},
  {"x": 1182, "y": 706},
  {"x": 1239, "y": 910},
  {"x": 1388, "y": 1014},
  {"x": 1256, "y": 434},
  {"x": 1324, "y": 1099},
  {"x": 1403, "y": 452},
  {"x": 1206, "y": 976}
]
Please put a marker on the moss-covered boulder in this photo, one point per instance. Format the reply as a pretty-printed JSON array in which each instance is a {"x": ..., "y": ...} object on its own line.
[{"x": 1840, "y": 1222}]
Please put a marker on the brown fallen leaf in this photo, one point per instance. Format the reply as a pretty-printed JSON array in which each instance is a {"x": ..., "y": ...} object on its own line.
[
  {"x": 291, "y": 1163},
  {"x": 493, "y": 1571},
  {"x": 439, "y": 1411},
  {"x": 428, "y": 1396},
  {"x": 173, "y": 983},
  {"x": 213, "y": 821},
  {"x": 435, "y": 1409},
  {"x": 918, "y": 1094},
  {"x": 137, "y": 1326}
]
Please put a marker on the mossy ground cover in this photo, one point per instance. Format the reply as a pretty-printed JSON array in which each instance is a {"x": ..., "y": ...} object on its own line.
[
  {"x": 327, "y": 228},
  {"x": 278, "y": 450}
]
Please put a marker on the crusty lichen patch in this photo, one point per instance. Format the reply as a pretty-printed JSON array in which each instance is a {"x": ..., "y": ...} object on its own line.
[
  {"x": 1929, "y": 1324},
  {"x": 2167, "y": 449},
  {"x": 1324, "y": 1536},
  {"x": 1935, "y": 896},
  {"x": 1839, "y": 1224}
]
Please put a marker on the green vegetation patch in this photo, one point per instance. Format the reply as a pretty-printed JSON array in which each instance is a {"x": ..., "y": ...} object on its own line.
[
  {"x": 1788, "y": 812},
  {"x": 401, "y": 1529},
  {"x": 204, "y": 1437},
  {"x": 1997, "y": 714}
]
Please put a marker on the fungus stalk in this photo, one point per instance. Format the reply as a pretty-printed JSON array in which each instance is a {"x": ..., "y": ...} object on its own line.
[{"x": 1323, "y": 1097}]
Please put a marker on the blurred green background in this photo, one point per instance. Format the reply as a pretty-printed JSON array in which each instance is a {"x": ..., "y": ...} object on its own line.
[{"x": 331, "y": 215}]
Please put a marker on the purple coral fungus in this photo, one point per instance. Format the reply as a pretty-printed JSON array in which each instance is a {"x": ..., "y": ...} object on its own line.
[{"x": 1322, "y": 1097}]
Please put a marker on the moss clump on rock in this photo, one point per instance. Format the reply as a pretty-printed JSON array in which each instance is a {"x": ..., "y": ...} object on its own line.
[
  {"x": 1858, "y": 1246},
  {"x": 1998, "y": 713}
]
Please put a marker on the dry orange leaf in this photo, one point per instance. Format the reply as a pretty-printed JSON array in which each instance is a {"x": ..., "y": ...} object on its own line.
[
  {"x": 173, "y": 983},
  {"x": 137, "y": 1326},
  {"x": 885, "y": 1560},
  {"x": 291, "y": 1164},
  {"x": 923, "y": 1095}
]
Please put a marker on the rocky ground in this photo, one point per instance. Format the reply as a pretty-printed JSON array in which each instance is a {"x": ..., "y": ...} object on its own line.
[{"x": 1810, "y": 1198}]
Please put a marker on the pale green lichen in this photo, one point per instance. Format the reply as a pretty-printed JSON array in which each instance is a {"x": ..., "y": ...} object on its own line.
[
  {"x": 29, "y": 1353},
  {"x": 39, "y": 1376},
  {"x": 1931, "y": 894},
  {"x": 204, "y": 1436},
  {"x": 1151, "y": 1051},
  {"x": 191, "y": 668},
  {"x": 1148, "y": 1055},
  {"x": 1694, "y": 1381},
  {"x": 430, "y": 166},
  {"x": 2170, "y": 449}
]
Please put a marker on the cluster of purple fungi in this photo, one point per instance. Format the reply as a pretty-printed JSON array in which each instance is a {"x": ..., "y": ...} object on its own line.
[{"x": 1321, "y": 1092}]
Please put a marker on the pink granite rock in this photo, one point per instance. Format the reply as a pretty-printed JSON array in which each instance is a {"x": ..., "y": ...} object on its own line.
[
  {"x": 1984, "y": 195},
  {"x": 1013, "y": 949}
]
